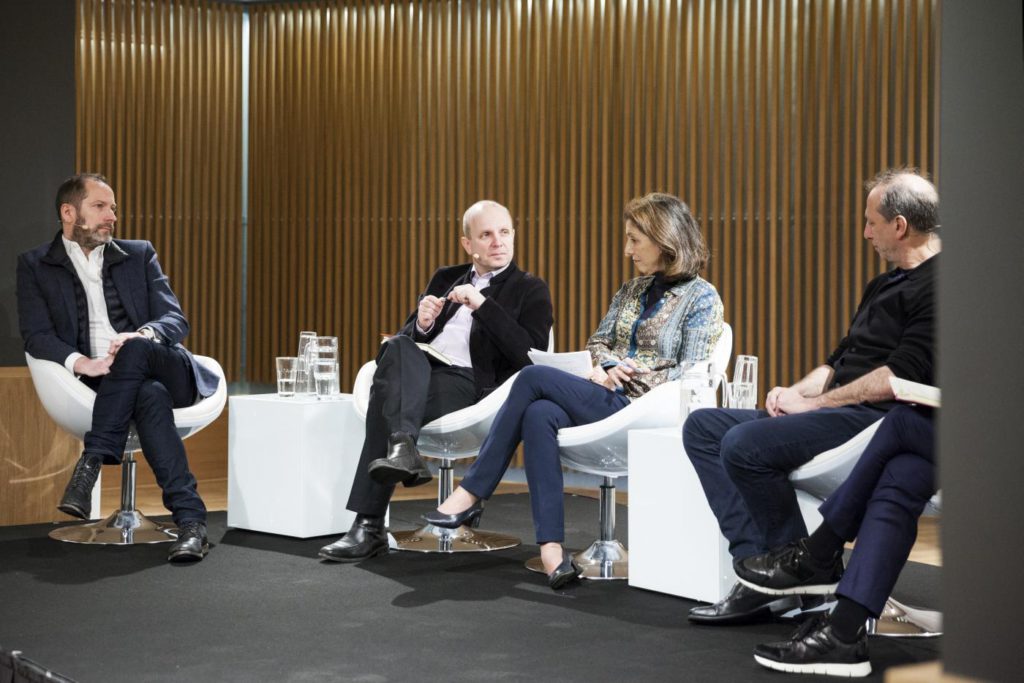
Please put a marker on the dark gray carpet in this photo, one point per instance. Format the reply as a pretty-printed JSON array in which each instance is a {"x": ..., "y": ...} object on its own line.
[{"x": 261, "y": 608}]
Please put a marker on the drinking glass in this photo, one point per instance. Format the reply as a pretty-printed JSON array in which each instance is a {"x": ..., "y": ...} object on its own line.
[
  {"x": 286, "y": 368},
  {"x": 304, "y": 375},
  {"x": 326, "y": 350},
  {"x": 743, "y": 388},
  {"x": 325, "y": 373}
]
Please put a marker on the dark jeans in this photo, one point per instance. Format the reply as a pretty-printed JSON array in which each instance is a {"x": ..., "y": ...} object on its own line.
[
  {"x": 146, "y": 382},
  {"x": 408, "y": 391},
  {"x": 542, "y": 401},
  {"x": 743, "y": 459},
  {"x": 880, "y": 502}
]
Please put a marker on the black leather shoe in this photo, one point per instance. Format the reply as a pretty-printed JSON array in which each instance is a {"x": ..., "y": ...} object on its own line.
[
  {"x": 77, "y": 500},
  {"x": 364, "y": 540},
  {"x": 403, "y": 463},
  {"x": 470, "y": 516},
  {"x": 192, "y": 544},
  {"x": 815, "y": 649},
  {"x": 565, "y": 573},
  {"x": 743, "y": 606},
  {"x": 791, "y": 570}
]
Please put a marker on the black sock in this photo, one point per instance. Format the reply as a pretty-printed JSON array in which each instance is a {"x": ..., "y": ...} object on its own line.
[
  {"x": 824, "y": 543},
  {"x": 847, "y": 619}
]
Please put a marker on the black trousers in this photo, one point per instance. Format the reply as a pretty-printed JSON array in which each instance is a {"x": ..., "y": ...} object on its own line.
[
  {"x": 146, "y": 382},
  {"x": 408, "y": 391}
]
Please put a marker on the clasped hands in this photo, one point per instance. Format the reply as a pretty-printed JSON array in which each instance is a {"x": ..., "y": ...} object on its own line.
[
  {"x": 430, "y": 306},
  {"x": 97, "y": 367},
  {"x": 788, "y": 401},
  {"x": 614, "y": 377}
]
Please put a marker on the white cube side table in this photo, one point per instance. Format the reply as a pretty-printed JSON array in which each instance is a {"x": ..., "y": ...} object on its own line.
[
  {"x": 675, "y": 545},
  {"x": 291, "y": 462}
]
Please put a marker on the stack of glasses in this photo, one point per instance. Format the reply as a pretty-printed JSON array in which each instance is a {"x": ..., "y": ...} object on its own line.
[{"x": 314, "y": 371}]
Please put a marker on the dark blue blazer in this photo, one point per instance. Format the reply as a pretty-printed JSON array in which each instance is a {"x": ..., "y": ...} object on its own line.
[{"x": 48, "y": 311}]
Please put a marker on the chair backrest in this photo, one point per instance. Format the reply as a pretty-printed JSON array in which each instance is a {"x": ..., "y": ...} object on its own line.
[{"x": 66, "y": 400}]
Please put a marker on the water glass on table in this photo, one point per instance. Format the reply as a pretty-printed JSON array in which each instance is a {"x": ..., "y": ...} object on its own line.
[
  {"x": 743, "y": 388},
  {"x": 325, "y": 366},
  {"x": 304, "y": 374},
  {"x": 287, "y": 366}
]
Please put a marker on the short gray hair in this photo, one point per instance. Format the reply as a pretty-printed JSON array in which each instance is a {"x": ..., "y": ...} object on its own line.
[{"x": 906, "y": 192}]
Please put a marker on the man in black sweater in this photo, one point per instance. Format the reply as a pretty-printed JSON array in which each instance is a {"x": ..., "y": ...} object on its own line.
[
  {"x": 743, "y": 457},
  {"x": 484, "y": 317}
]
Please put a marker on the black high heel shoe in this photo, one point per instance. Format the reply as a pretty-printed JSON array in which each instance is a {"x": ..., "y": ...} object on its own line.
[
  {"x": 565, "y": 573},
  {"x": 470, "y": 516}
]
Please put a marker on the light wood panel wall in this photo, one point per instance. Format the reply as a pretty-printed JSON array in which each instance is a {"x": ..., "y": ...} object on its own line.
[
  {"x": 36, "y": 456},
  {"x": 374, "y": 124},
  {"x": 159, "y": 113}
]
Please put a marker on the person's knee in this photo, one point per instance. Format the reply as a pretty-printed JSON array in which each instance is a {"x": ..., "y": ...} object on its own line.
[
  {"x": 134, "y": 351},
  {"x": 739, "y": 449},
  {"x": 393, "y": 347}
]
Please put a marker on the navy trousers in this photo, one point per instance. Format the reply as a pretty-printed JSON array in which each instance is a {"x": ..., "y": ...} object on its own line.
[
  {"x": 408, "y": 391},
  {"x": 743, "y": 459},
  {"x": 880, "y": 502},
  {"x": 146, "y": 382},
  {"x": 542, "y": 401}
]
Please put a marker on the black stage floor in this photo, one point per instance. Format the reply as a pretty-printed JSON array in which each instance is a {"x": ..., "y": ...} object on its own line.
[{"x": 262, "y": 608}]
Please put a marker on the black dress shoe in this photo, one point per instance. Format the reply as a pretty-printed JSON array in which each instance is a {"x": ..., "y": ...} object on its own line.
[
  {"x": 815, "y": 649},
  {"x": 364, "y": 540},
  {"x": 743, "y": 606},
  {"x": 192, "y": 544},
  {"x": 470, "y": 516},
  {"x": 565, "y": 573},
  {"x": 77, "y": 500},
  {"x": 403, "y": 463},
  {"x": 791, "y": 570}
]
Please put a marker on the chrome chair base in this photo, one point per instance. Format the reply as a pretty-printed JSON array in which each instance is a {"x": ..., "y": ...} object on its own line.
[
  {"x": 123, "y": 527},
  {"x": 901, "y": 621},
  {"x": 602, "y": 561},
  {"x": 435, "y": 539}
]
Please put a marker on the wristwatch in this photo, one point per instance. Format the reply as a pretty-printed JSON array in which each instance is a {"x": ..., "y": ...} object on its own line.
[{"x": 148, "y": 333}]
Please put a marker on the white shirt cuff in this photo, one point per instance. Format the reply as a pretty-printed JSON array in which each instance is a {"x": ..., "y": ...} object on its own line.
[{"x": 70, "y": 361}]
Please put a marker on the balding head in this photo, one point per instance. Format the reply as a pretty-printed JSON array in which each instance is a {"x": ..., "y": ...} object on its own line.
[
  {"x": 478, "y": 209},
  {"x": 905, "y": 192}
]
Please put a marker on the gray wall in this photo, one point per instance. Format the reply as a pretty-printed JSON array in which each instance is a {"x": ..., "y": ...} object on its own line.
[
  {"x": 981, "y": 330},
  {"x": 37, "y": 137}
]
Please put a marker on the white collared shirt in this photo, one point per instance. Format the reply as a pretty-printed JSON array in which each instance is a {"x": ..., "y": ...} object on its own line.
[
  {"x": 90, "y": 272},
  {"x": 453, "y": 340}
]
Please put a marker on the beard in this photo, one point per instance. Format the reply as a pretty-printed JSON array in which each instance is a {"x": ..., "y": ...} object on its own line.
[{"x": 88, "y": 238}]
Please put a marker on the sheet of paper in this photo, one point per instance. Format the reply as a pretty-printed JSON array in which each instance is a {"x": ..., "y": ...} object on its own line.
[
  {"x": 915, "y": 392},
  {"x": 574, "y": 362}
]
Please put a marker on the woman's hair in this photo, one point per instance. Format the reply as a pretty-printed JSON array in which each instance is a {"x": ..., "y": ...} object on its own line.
[{"x": 666, "y": 220}]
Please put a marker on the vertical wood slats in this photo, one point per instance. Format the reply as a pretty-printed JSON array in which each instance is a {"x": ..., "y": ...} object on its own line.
[
  {"x": 376, "y": 124},
  {"x": 158, "y": 111}
]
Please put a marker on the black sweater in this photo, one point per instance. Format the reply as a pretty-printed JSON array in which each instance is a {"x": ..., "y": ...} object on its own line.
[{"x": 894, "y": 326}]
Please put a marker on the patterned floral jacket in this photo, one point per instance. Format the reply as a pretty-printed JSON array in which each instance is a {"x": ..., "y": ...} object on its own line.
[{"x": 685, "y": 327}]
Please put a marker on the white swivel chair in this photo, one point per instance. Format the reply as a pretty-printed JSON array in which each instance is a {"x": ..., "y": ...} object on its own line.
[
  {"x": 601, "y": 448},
  {"x": 69, "y": 403},
  {"x": 450, "y": 437},
  {"x": 816, "y": 481}
]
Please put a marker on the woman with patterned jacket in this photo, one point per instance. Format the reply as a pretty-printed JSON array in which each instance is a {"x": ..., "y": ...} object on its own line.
[{"x": 656, "y": 322}]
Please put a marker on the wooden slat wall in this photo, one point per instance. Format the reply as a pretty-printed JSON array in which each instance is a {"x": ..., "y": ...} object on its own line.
[
  {"x": 159, "y": 113},
  {"x": 374, "y": 124}
]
